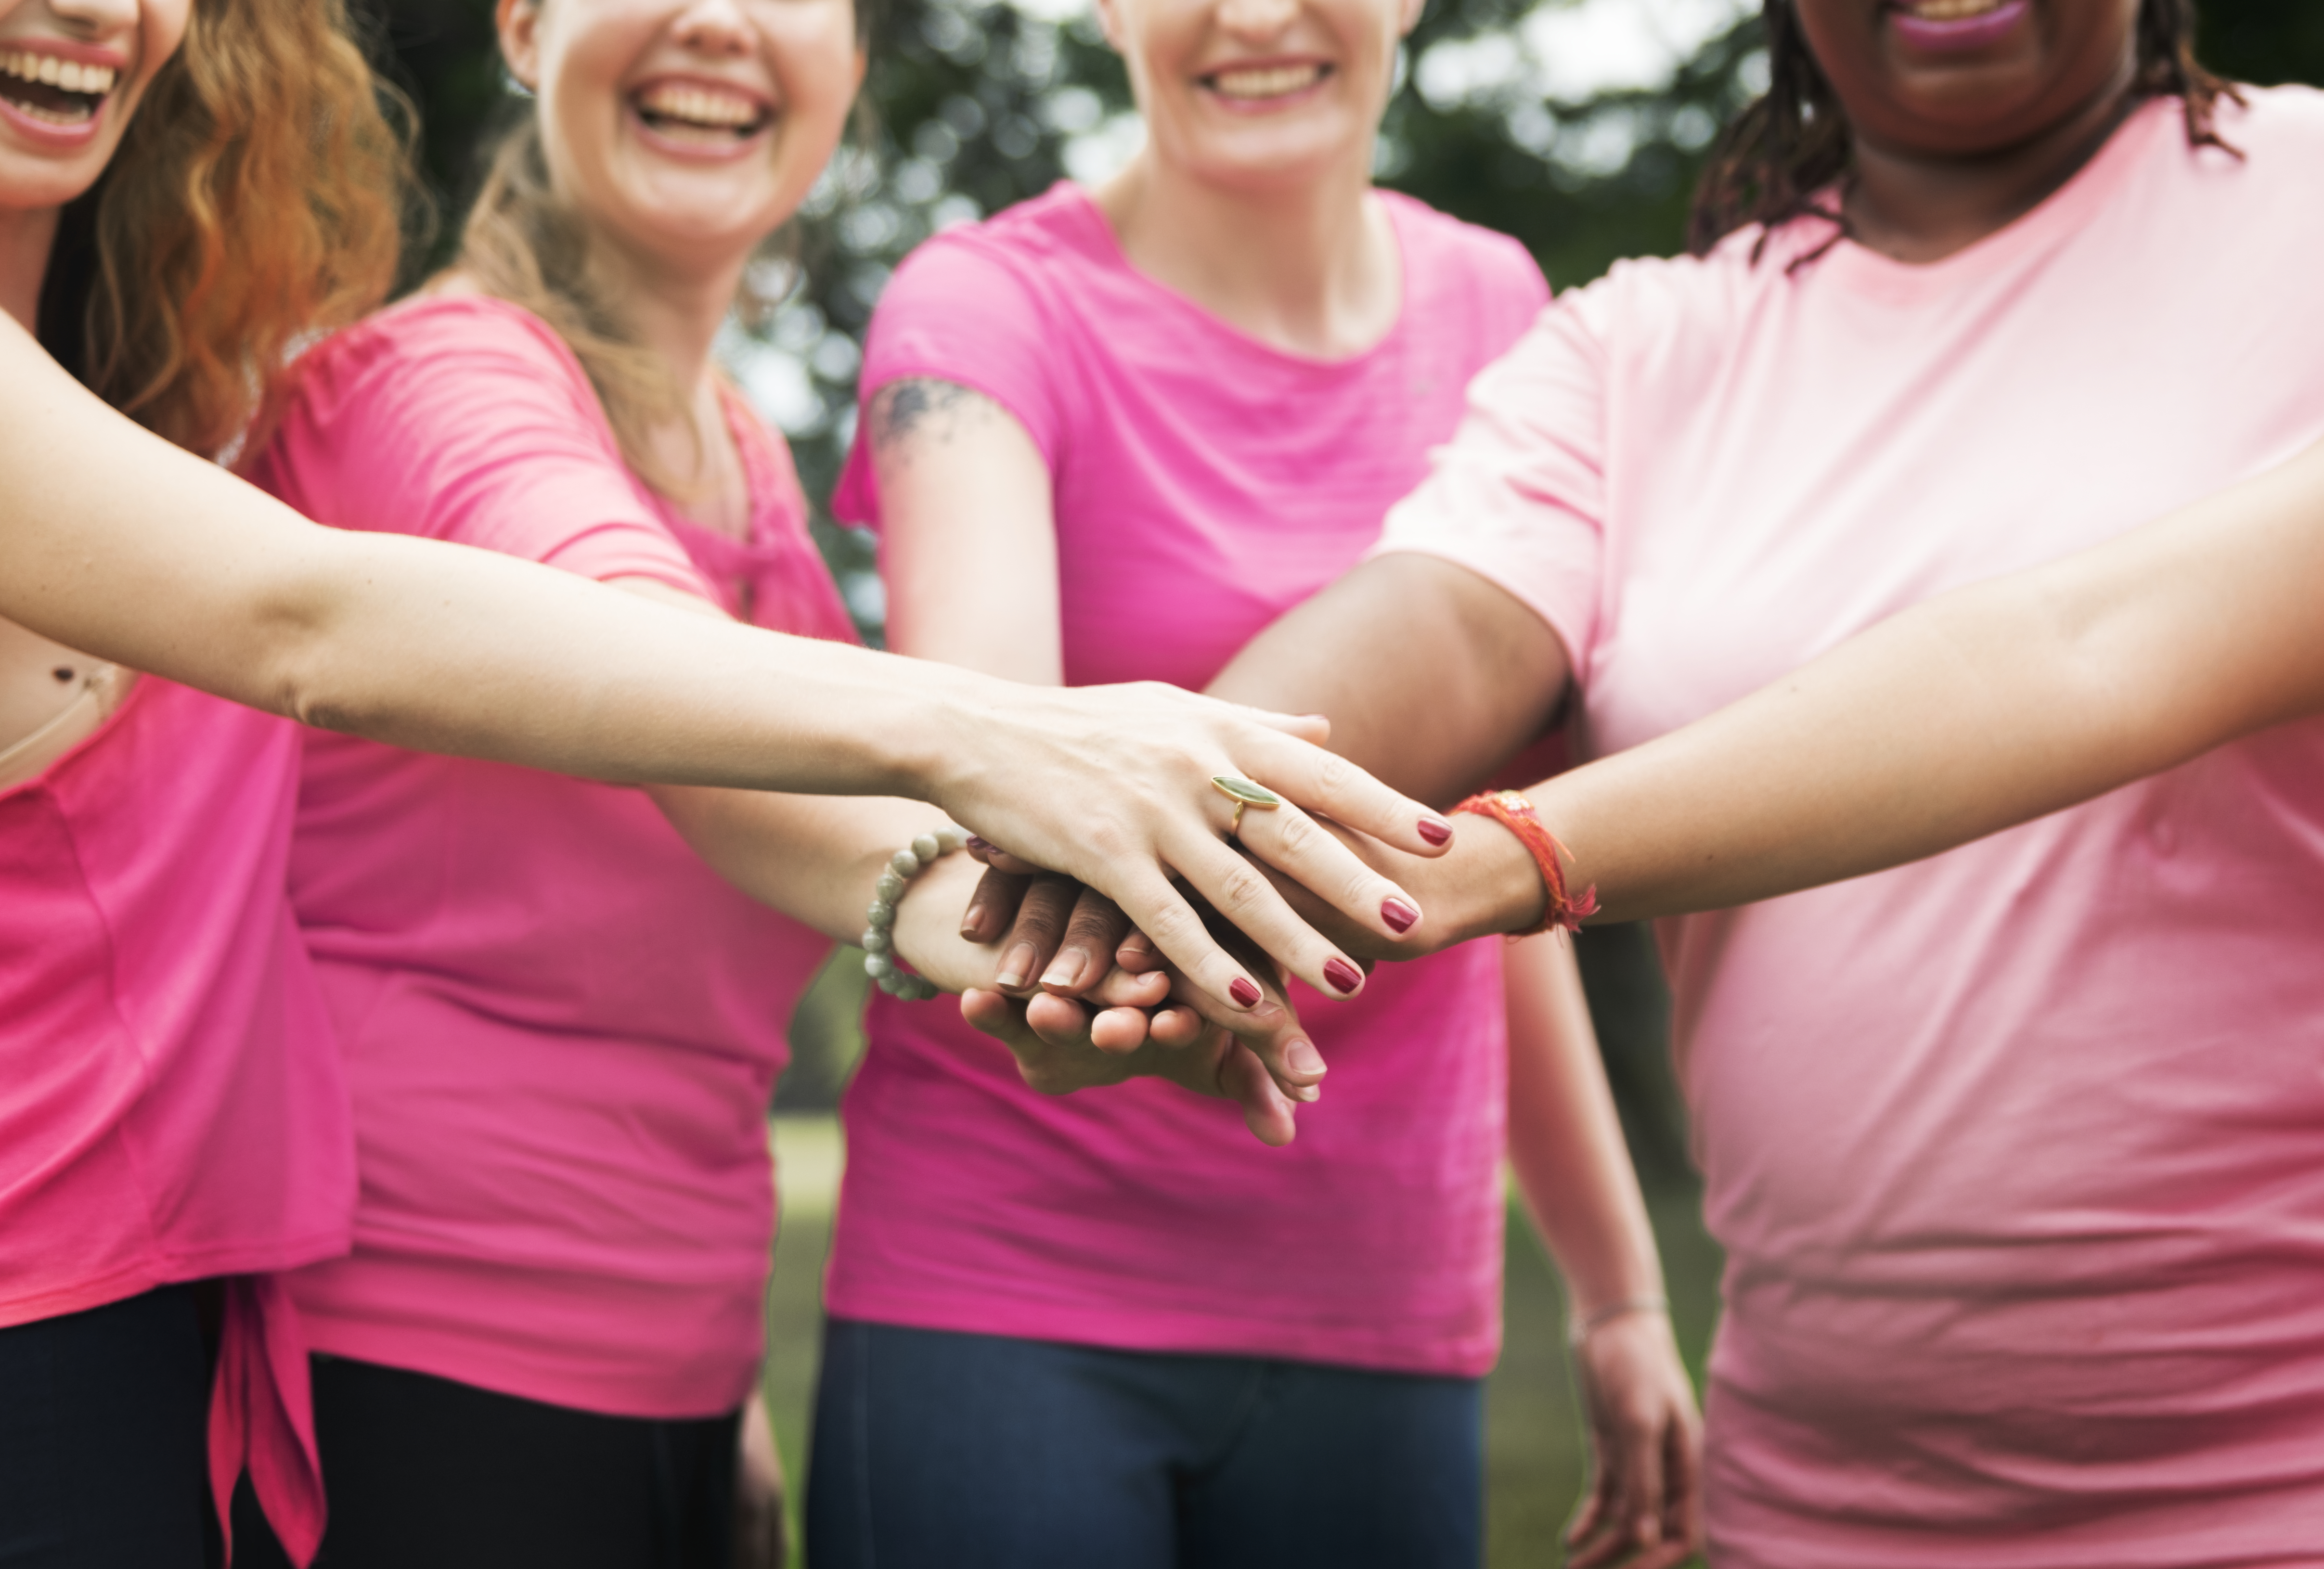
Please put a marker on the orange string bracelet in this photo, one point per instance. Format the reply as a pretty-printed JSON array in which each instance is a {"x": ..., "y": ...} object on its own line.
[{"x": 1514, "y": 812}]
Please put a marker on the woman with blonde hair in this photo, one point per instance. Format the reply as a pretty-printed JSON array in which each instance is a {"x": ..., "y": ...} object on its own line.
[
  {"x": 1108, "y": 434},
  {"x": 562, "y": 1005},
  {"x": 176, "y": 1113}
]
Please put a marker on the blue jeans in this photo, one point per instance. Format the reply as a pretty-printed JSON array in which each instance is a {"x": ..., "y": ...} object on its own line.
[{"x": 933, "y": 1448}]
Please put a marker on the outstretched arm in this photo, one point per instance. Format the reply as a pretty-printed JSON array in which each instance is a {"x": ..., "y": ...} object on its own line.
[
  {"x": 124, "y": 547},
  {"x": 1972, "y": 712}
]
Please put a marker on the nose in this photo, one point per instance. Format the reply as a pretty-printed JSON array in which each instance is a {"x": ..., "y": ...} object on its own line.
[
  {"x": 91, "y": 20},
  {"x": 1256, "y": 21},
  {"x": 716, "y": 27}
]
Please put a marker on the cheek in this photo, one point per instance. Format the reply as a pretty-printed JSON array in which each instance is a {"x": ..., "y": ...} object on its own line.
[{"x": 164, "y": 31}]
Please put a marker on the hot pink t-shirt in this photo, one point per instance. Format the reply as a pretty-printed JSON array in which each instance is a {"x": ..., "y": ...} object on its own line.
[
  {"x": 1205, "y": 484},
  {"x": 170, "y": 1105},
  {"x": 2018, "y": 1152},
  {"x": 562, "y": 1028}
]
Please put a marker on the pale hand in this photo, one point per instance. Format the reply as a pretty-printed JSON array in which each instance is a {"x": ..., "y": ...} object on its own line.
[{"x": 1644, "y": 1510}]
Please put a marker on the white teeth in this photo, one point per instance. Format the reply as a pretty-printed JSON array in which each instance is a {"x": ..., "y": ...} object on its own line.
[
  {"x": 697, "y": 106},
  {"x": 1951, "y": 10},
  {"x": 1266, "y": 82},
  {"x": 70, "y": 75}
]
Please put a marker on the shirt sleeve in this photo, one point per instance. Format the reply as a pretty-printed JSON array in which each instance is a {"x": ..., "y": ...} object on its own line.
[
  {"x": 956, "y": 311},
  {"x": 470, "y": 422},
  {"x": 1517, "y": 496}
]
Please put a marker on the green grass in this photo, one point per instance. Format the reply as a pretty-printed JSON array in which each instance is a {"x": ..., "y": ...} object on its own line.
[{"x": 1533, "y": 1445}]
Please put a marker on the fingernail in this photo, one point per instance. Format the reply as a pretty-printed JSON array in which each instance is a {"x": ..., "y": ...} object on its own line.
[
  {"x": 1307, "y": 1095},
  {"x": 1398, "y": 915},
  {"x": 1345, "y": 977},
  {"x": 976, "y": 844},
  {"x": 1067, "y": 969},
  {"x": 1013, "y": 968},
  {"x": 1435, "y": 830},
  {"x": 1245, "y": 994},
  {"x": 970, "y": 923},
  {"x": 1302, "y": 1057}
]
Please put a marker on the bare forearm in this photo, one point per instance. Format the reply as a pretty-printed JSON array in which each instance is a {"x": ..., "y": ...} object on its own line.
[
  {"x": 128, "y": 548},
  {"x": 1973, "y": 713},
  {"x": 1565, "y": 1142},
  {"x": 814, "y": 858},
  {"x": 1431, "y": 676}
]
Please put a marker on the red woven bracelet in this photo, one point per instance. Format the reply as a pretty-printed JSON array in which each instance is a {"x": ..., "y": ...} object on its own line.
[{"x": 1516, "y": 813}]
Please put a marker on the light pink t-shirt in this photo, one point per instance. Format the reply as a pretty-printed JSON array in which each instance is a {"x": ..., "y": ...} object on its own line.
[
  {"x": 2017, "y": 1153},
  {"x": 561, "y": 1027},
  {"x": 1205, "y": 484}
]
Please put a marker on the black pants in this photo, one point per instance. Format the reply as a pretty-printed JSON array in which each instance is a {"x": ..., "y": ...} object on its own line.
[
  {"x": 424, "y": 1472},
  {"x": 104, "y": 1462},
  {"x": 936, "y": 1450}
]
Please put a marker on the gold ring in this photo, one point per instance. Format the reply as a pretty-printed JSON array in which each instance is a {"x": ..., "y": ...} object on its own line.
[{"x": 1243, "y": 793}]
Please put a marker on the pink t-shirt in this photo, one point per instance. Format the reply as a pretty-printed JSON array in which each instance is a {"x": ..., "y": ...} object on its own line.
[
  {"x": 1205, "y": 484},
  {"x": 2017, "y": 1153},
  {"x": 562, "y": 1028},
  {"x": 172, "y": 1108}
]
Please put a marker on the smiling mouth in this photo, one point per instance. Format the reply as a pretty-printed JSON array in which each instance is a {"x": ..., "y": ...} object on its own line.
[
  {"x": 56, "y": 92},
  {"x": 694, "y": 112},
  {"x": 1948, "y": 10},
  {"x": 1252, "y": 83}
]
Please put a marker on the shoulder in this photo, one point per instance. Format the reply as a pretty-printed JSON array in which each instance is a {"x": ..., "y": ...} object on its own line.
[
  {"x": 492, "y": 345},
  {"x": 1476, "y": 255},
  {"x": 2279, "y": 133},
  {"x": 2292, "y": 115},
  {"x": 1672, "y": 297},
  {"x": 1022, "y": 253}
]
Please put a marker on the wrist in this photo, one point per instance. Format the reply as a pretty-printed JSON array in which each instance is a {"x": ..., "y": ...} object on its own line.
[
  {"x": 929, "y": 743},
  {"x": 1584, "y": 1321},
  {"x": 1496, "y": 887}
]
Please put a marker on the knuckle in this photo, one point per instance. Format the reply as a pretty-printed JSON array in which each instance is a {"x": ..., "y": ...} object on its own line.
[
  {"x": 1296, "y": 833},
  {"x": 1333, "y": 774},
  {"x": 1240, "y": 888}
]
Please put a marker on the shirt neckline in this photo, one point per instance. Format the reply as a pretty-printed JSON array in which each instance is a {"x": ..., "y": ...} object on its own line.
[
  {"x": 1105, "y": 246},
  {"x": 2055, "y": 217}
]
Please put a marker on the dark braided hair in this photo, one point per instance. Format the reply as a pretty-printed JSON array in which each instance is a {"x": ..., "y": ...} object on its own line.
[{"x": 1781, "y": 158}]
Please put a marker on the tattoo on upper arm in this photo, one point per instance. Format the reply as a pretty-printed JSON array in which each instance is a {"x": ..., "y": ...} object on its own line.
[{"x": 924, "y": 408}]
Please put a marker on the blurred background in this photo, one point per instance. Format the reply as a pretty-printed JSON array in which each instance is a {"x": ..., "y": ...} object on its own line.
[{"x": 1575, "y": 125}]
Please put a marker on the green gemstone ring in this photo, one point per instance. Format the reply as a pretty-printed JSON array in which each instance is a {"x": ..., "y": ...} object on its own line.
[{"x": 1243, "y": 793}]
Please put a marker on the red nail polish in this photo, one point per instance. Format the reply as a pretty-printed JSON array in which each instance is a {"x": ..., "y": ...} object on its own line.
[
  {"x": 976, "y": 844},
  {"x": 1398, "y": 915},
  {"x": 1435, "y": 830},
  {"x": 1244, "y": 993},
  {"x": 1344, "y": 976}
]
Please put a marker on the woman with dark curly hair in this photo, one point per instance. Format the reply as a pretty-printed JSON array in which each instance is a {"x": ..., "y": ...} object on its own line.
[{"x": 2012, "y": 1150}]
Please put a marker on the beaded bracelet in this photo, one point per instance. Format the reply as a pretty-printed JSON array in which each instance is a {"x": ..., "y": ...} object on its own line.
[
  {"x": 1514, "y": 812},
  {"x": 880, "y": 960}
]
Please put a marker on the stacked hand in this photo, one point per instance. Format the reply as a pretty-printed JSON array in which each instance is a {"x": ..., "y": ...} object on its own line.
[
  {"x": 1104, "y": 1022},
  {"x": 1133, "y": 760}
]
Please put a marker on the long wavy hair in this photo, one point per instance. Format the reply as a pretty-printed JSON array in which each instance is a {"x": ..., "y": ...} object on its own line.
[
  {"x": 1782, "y": 157},
  {"x": 258, "y": 198},
  {"x": 525, "y": 244}
]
